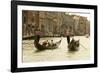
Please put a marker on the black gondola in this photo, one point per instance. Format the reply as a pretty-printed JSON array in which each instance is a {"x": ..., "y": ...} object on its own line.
[
  {"x": 42, "y": 47},
  {"x": 73, "y": 45}
]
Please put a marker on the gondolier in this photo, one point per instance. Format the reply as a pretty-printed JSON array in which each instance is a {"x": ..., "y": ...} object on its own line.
[{"x": 67, "y": 33}]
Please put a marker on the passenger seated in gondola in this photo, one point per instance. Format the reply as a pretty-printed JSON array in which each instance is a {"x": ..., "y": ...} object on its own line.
[
  {"x": 46, "y": 43},
  {"x": 52, "y": 44}
]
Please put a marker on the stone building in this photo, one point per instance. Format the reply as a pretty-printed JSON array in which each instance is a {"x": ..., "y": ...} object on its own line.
[
  {"x": 30, "y": 21},
  {"x": 88, "y": 27},
  {"x": 53, "y": 23},
  {"x": 81, "y": 25},
  {"x": 47, "y": 22},
  {"x": 67, "y": 23},
  {"x": 50, "y": 22}
]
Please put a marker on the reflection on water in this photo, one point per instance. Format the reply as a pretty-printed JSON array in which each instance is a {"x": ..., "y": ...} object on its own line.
[{"x": 59, "y": 54}]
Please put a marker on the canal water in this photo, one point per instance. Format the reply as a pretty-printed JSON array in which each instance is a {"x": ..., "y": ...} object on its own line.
[{"x": 60, "y": 54}]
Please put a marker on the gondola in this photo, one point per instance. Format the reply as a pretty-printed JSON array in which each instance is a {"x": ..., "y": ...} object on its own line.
[
  {"x": 73, "y": 45},
  {"x": 42, "y": 47}
]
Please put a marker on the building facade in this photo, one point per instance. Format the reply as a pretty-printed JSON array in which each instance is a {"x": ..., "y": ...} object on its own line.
[{"x": 53, "y": 23}]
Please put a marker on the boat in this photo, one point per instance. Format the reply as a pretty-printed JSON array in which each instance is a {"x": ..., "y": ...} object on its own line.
[
  {"x": 42, "y": 47},
  {"x": 73, "y": 45}
]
